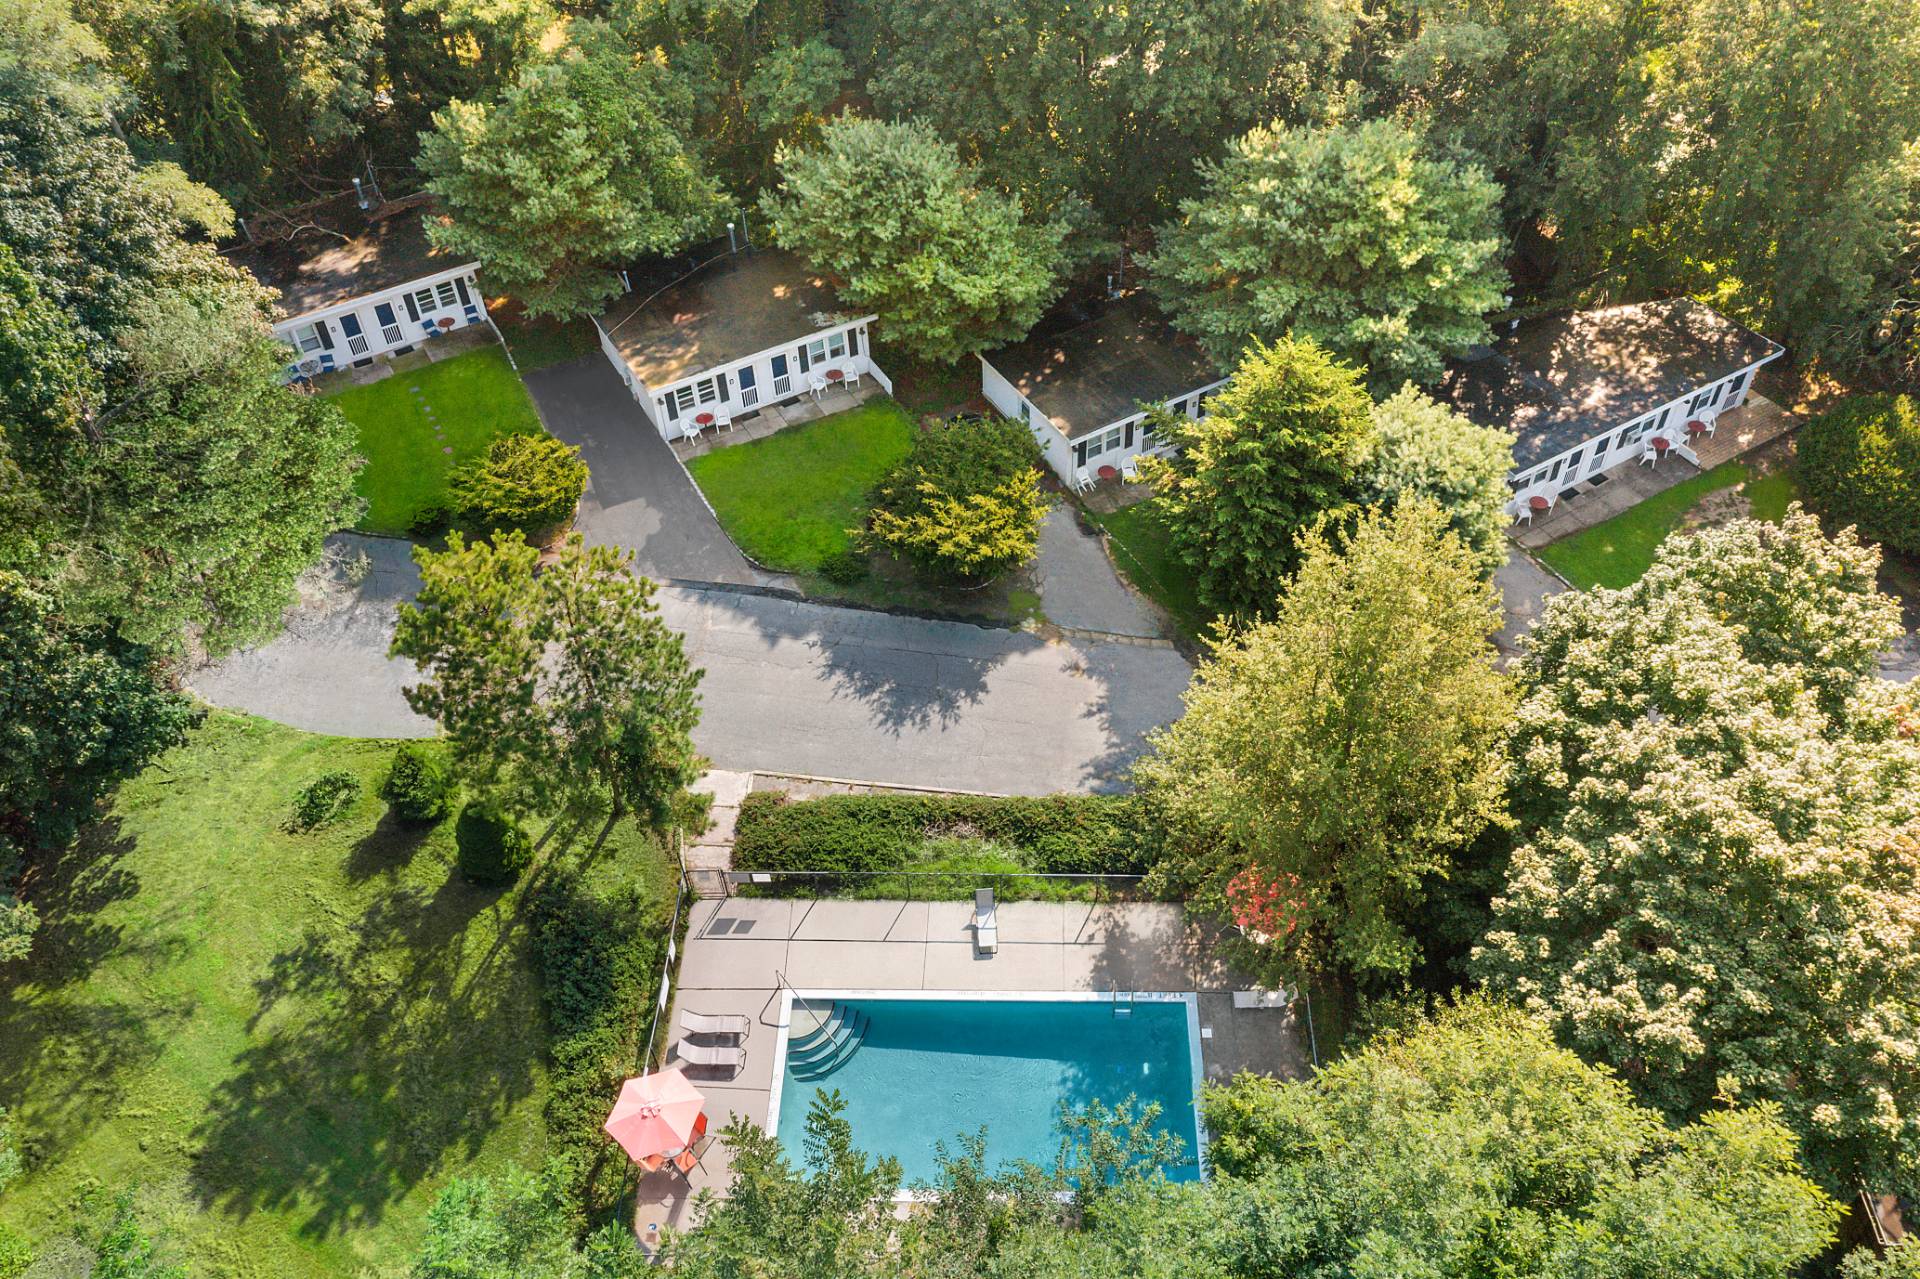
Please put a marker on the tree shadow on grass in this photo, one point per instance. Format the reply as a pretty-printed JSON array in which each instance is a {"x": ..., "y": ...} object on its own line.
[
  {"x": 387, "y": 848},
  {"x": 383, "y": 1045},
  {"x": 66, "y": 1050}
]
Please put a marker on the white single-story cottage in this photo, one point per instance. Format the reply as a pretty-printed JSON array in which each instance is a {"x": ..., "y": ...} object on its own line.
[
  {"x": 740, "y": 332},
  {"x": 1588, "y": 391},
  {"x": 1085, "y": 388},
  {"x": 355, "y": 286}
]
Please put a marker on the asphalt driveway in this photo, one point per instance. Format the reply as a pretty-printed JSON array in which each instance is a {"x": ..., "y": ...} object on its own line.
[
  {"x": 638, "y": 495},
  {"x": 790, "y": 687}
]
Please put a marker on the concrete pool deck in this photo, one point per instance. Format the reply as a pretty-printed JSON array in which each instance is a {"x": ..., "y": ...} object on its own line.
[{"x": 741, "y": 952}]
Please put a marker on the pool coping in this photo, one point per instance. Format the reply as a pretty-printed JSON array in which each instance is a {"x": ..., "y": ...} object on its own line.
[{"x": 1190, "y": 998}]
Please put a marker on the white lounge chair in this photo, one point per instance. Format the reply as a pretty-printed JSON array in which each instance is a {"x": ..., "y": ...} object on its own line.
[
  {"x": 703, "y": 1055},
  {"x": 986, "y": 922},
  {"x": 735, "y": 1024}
]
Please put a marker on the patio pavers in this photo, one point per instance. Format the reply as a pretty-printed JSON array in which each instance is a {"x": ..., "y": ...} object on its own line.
[{"x": 882, "y": 920}]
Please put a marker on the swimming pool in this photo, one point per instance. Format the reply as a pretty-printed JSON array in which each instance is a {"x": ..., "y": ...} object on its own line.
[{"x": 929, "y": 1067}]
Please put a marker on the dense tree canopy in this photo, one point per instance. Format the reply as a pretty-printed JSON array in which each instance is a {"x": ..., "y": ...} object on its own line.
[
  {"x": 575, "y": 170},
  {"x": 1719, "y": 872},
  {"x": 965, "y": 504},
  {"x": 905, "y": 230},
  {"x": 1860, "y": 462},
  {"x": 1104, "y": 103},
  {"x": 1426, "y": 450},
  {"x": 1281, "y": 446},
  {"x": 1330, "y": 762},
  {"x": 1352, "y": 235},
  {"x": 556, "y": 688}
]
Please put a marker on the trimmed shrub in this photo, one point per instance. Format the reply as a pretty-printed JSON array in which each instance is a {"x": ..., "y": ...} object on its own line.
[
  {"x": 492, "y": 847},
  {"x": 844, "y": 568},
  {"x": 323, "y": 799},
  {"x": 429, "y": 520},
  {"x": 528, "y": 482},
  {"x": 419, "y": 785},
  {"x": 965, "y": 505},
  {"x": 1053, "y": 834},
  {"x": 1860, "y": 464}
]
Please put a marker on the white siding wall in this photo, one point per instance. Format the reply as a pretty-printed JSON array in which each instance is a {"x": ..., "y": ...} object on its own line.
[
  {"x": 1003, "y": 396},
  {"x": 1062, "y": 454},
  {"x": 1625, "y": 442},
  {"x": 774, "y": 375},
  {"x": 375, "y": 324}
]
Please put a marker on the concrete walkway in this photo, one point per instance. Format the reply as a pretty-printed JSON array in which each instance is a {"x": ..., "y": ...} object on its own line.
[{"x": 790, "y": 687}]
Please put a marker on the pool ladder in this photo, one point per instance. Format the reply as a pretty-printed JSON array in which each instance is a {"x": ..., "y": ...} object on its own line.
[{"x": 1122, "y": 1008}]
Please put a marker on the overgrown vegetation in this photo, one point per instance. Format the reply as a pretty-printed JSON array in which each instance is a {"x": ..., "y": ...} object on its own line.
[{"x": 1860, "y": 463}]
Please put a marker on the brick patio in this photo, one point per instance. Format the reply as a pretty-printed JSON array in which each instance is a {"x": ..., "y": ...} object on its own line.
[
  {"x": 740, "y": 951},
  {"x": 1740, "y": 431}
]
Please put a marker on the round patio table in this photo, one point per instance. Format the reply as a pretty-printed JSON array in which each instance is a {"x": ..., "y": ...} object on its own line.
[
  {"x": 1107, "y": 473},
  {"x": 703, "y": 419},
  {"x": 445, "y": 322},
  {"x": 835, "y": 375},
  {"x": 1661, "y": 444},
  {"x": 1696, "y": 427},
  {"x": 1538, "y": 503}
]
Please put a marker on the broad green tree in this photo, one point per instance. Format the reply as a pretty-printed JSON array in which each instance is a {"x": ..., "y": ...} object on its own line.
[
  {"x": 1426, "y": 450},
  {"x": 79, "y": 712},
  {"x": 1720, "y": 875},
  {"x": 438, "y": 51},
  {"x": 574, "y": 171},
  {"x": 1471, "y": 1144},
  {"x": 1330, "y": 763},
  {"x": 1860, "y": 464},
  {"x": 555, "y": 688},
  {"x": 1283, "y": 445},
  {"x": 1787, "y": 161},
  {"x": 906, "y": 229},
  {"x": 1104, "y": 103},
  {"x": 1354, "y": 235}
]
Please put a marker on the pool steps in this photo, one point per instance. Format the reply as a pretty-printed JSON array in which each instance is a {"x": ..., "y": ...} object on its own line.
[{"x": 836, "y": 1037}]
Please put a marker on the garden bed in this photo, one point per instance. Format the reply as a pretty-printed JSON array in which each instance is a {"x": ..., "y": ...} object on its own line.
[{"x": 417, "y": 425}]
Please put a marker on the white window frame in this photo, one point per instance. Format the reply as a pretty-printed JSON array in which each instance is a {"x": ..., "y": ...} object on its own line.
[
  {"x": 837, "y": 344},
  {"x": 306, "y": 338},
  {"x": 448, "y": 295},
  {"x": 424, "y": 300}
]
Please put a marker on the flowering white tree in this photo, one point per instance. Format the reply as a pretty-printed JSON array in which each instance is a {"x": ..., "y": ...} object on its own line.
[{"x": 1718, "y": 891}]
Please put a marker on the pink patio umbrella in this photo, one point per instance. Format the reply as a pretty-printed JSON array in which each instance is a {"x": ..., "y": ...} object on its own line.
[{"x": 655, "y": 1115}]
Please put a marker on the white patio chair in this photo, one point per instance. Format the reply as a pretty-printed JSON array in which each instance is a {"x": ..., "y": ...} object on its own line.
[
  {"x": 1649, "y": 456},
  {"x": 1130, "y": 469},
  {"x": 1082, "y": 481},
  {"x": 853, "y": 378},
  {"x": 690, "y": 430},
  {"x": 723, "y": 421},
  {"x": 818, "y": 384},
  {"x": 986, "y": 922}
]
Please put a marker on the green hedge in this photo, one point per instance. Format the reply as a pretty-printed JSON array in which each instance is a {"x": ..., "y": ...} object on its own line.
[
  {"x": 1054, "y": 834},
  {"x": 1860, "y": 464},
  {"x": 600, "y": 950}
]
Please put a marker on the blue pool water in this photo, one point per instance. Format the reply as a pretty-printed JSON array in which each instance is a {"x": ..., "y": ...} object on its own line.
[{"x": 931, "y": 1070}]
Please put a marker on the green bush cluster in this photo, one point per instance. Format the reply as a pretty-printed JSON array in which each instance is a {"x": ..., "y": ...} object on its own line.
[
  {"x": 323, "y": 799},
  {"x": 526, "y": 482},
  {"x": 1860, "y": 464},
  {"x": 491, "y": 847},
  {"x": 1054, "y": 834},
  {"x": 599, "y": 952},
  {"x": 844, "y": 568},
  {"x": 965, "y": 506},
  {"x": 419, "y": 785}
]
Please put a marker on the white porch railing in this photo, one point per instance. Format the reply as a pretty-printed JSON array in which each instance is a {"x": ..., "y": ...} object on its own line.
[{"x": 879, "y": 375}]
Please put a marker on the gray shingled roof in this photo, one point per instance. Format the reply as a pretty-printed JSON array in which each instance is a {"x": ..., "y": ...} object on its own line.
[
  {"x": 728, "y": 309},
  {"x": 1562, "y": 379},
  {"x": 1102, "y": 370},
  {"x": 338, "y": 259}
]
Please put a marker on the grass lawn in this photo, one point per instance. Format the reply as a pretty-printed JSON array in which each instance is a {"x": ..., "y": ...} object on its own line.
[
  {"x": 289, "y": 1043},
  {"x": 1615, "y": 553},
  {"x": 474, "y": 397},
  {"x": 1142, "y": 550},
  {"x": 788, "y": 500},
  {"x": 1770, "y": 495}
]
